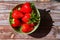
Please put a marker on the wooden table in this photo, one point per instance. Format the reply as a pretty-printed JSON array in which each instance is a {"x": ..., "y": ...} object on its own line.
[{"x": 7, "y": 33}]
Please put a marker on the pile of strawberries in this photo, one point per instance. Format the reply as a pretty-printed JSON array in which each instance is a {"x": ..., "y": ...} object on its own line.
[{"x": 21, "y": 18}]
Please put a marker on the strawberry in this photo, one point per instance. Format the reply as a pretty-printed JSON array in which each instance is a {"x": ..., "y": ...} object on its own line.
[
  {"x": 16, "y": 23},
  {"x": 26, "y": 8},
  {"x": 32, "y": 25},
  {"x": 26, "y": 28},
  {"x": 17, "y": 14},
  {"x": 26, "y": 18},
  {"x": 28, "y": 15}
]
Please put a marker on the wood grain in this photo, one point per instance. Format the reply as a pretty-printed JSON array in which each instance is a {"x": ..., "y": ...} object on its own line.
[
  {"x": 5, "y": 9},
  {"x": 6, "y": 30}
]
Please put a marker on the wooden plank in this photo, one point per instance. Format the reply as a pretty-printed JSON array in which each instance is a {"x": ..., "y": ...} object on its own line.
[
  {"x": 4, "y": 19},
  {"x": 55, "y": 11},
  {"x": 55, "y": 16},
  {"x": 7, "y": 30},
  {"x": 6, "y": 7},
  {"x": 4, "y": 22},
  {"x": 55, "y": 3},
  {"x": 1, "y": 11},
  {"x": 56, "y": 20},
  {"x": 4, "y": 16},
  {"x": 56, "y": 23}
]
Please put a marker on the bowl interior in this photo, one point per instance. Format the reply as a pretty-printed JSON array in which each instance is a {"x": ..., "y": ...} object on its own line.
[{"x": 10, "y": 18}]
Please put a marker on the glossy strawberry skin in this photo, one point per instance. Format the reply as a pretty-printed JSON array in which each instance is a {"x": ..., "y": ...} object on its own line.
[
  {"x": 26, "y": 17},
  {"x": 17, "y": 14},
  {"x": 26, "y": 8},
  {"x": 16, "y": 23},
  {"x": 26, "y": 28}
]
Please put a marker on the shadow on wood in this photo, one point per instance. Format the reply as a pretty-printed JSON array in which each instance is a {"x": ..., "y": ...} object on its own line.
[{"x": 45, "y": 25}]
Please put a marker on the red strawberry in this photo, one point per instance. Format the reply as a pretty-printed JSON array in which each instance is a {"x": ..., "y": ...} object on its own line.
[
  {"x": 26, "y": 28},
  {"x": 17, "y": 14},
  {"x": 26, "y": 8},
  {"x": 26, "y": 17},
  {"x": 15, "y": 23},
  {"x": 32, "y": 25}
]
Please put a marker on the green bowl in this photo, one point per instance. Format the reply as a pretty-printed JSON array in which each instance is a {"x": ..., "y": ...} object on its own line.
[{"x": 19, "y": 29}]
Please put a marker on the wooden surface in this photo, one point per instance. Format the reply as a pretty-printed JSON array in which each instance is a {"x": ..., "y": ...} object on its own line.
[{"x": 7, "y": 33}]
